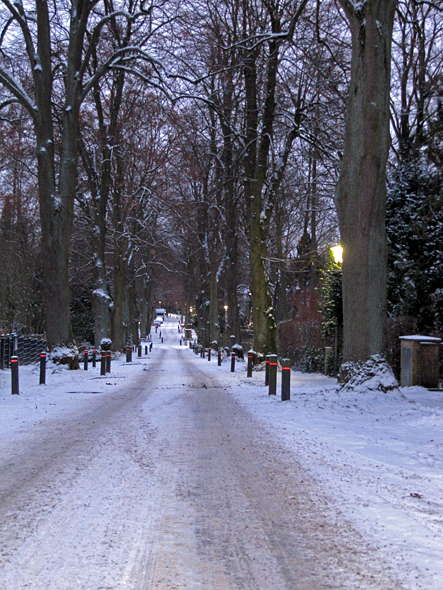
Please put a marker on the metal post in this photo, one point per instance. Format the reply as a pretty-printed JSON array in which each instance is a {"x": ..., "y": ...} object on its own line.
[
  {"x": 209, "y": 354},
  {"x": 146, "y": 350},
  {"x": 139, "y": 353},
  {"x": 103, "y": 363},
  {"x": 43, "y": 368},
  {"x": 250, "y": 362},
  {"x": 286, "y": 380},
  {"x": 267, "y": 371},
  {"x": 14, "y": 375},
  {"x": 85, "y": 360},
  {"x": 150, "y": 347},
  {"x": 272, "y": 374},
  {"x": 94, "y": 359},
  {"x": 219, "y": 358},
  {"x": 108, "y": 361},
  {"x": 232, "y": 362},
  {"x": 128, "y": 354}
]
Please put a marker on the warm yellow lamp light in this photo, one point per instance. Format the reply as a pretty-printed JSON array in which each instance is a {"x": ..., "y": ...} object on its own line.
[{"x": 337, "y": 253}]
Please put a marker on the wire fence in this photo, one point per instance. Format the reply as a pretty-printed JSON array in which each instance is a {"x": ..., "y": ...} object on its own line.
[{"x": 27, "y": 348}]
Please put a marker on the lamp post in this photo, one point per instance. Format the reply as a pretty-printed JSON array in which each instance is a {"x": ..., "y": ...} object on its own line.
[{"x": 337, "y": 253}]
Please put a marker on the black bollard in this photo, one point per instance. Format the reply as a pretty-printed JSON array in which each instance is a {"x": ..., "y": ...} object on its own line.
[
  {"x": 272, "y": 374},
  {"x": 286, "y": 380},
  {"x": 146, "y": 350},
  {"x": 139, "y": 351},
  {"x": 250, "y": 362},
  {"x": 219, "y": 358},
  {"x": 108, "y": 361},
  {"x": 103, "y": 363},
  {"x": 150, "y": 347},
  {"x": 14, "y": 375},
  {"x": 232, "y": 362},
  {"x": 267, "y": 371},
  {"x": 85, "y": 360},
  {"x": 128, "y": 354},
  {"x": 94, "y": 359},
  {"x": 162, "y": 339},
  {"x": 43, "y": 368},
  {"x": 209, "y": 354}
]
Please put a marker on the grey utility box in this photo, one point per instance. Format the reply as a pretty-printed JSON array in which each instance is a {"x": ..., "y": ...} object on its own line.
[{"x": 419, "y": 361}]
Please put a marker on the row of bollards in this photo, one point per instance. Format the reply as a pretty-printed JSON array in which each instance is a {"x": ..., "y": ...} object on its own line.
[
  {"x": 271, "y": 366},
  {"x": 130, "y": 349},
  {"x": 105, "y": 367},
  {"x": 271, "y": 376}
]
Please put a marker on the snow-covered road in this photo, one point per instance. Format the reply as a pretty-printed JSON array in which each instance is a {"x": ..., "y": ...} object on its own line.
[{"x": 162, "y": 480}]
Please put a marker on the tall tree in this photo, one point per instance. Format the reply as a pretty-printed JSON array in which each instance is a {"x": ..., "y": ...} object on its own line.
[
  {"x": 51, "y": 81},
  {"x": 361, "y": 190}
]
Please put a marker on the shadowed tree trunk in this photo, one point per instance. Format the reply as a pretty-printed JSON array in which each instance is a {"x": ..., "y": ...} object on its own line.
[{"x": 361, "y": 190}]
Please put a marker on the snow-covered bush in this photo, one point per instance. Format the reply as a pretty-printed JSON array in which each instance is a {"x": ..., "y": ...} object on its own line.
[
  {"x": 373, "y": 375},
  {"x": 63, "y": 355}
]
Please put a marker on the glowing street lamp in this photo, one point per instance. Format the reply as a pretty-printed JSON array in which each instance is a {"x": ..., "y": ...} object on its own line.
[{"x": 337, "y": 253}]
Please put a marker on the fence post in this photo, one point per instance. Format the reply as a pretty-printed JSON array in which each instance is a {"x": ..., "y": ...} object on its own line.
[
  {"x": 272, "y": 374},
  {"x": 14, "y": 375},
  {"x": 251, "y": 354},
  {"x": 85, "y": 360},
  {"x": 286, "y": 380},
  {"x": 232, "y": 362},
  {"x": 43, "y": 368}
]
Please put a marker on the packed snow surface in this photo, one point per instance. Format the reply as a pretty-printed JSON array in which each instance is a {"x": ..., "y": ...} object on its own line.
[{"x": 376, "y": 457}]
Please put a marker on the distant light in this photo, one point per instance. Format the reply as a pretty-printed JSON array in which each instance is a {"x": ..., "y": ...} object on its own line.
[
  {"x": 226, "y": 308},
  {"x": 337, "y": 253}
]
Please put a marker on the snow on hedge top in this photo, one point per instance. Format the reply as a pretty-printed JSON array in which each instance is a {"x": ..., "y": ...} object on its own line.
[{"x": 421, "y": 338}]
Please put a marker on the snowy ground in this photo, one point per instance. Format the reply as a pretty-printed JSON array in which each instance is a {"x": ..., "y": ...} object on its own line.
[{"x": 377, "y": 456}]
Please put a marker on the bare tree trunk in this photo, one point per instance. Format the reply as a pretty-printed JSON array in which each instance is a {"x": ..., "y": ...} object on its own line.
[
  {"x": 255, "y": 172},
  {"x": 120, "y": 276},
  {"x": 213, "y": 301},
  {"x": 361, "y": 190}
]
